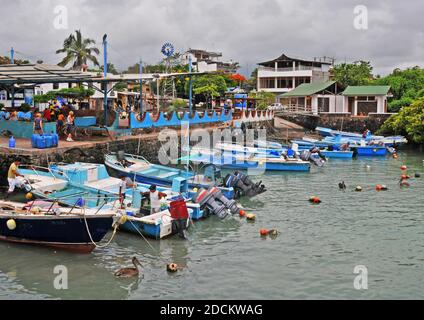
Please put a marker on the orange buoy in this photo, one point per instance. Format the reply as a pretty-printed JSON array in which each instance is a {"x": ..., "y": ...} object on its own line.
[
  {"x": 242, "y": 213},
  {"x": 403, "y": 168},
  {"x": 378, "y": 187},
  {"x": 264, "y": 232},
  {"x": 315, "y": 200},
  {"x": 404, "y": 177}
]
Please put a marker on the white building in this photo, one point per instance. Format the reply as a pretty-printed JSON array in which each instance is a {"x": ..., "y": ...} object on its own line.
[
  {"x": 207, "y": 61},
  {"x": 328, "y": 98},
  {"x": 283, "y": 74}
]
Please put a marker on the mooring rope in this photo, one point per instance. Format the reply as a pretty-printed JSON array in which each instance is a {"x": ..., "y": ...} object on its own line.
[{"x": 91, "y": 238}]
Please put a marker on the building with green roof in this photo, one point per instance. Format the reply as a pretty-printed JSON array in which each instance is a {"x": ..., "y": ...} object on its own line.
[{"x": 328, "y": 98}]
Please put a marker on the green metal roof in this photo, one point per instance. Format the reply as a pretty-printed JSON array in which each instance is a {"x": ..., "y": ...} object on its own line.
[
  {"x": 353, "y": 91},
  {"x": 308, "y": 89}
]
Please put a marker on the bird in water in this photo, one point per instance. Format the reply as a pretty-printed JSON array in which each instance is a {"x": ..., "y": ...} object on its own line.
[
  {"x": 342, "y": 186},
  {"x": 129, "y": 272}
]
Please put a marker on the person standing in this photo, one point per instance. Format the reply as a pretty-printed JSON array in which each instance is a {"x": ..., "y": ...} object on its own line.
[
  {"x": 70, "y": 120},
  {"x": 12, "y": 174},
  {"x": 155, "y": 196},
  {"x": 38, "y": 124}
]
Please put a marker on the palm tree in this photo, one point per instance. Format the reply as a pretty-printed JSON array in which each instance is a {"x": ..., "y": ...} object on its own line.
[{"x": 78, "y": 51}]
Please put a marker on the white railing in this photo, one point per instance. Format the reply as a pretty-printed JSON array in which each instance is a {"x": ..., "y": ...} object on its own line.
[{"x": 298, "y": 68}]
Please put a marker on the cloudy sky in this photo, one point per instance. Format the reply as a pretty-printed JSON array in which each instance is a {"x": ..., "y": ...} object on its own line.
[{"x": 248, "y": 31}]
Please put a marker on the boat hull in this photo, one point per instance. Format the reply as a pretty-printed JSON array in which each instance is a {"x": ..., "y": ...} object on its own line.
[
  {"x": 338, "y": 154},
  {"x": 62, "y": 233},
  {"x": 370, "y": 151}
]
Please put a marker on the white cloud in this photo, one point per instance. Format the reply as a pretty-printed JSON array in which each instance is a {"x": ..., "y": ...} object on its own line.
[{"x": 248, "y": 31}]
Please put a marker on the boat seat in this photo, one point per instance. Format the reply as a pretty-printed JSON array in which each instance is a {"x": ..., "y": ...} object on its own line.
[{"x": 168, "y": 175}]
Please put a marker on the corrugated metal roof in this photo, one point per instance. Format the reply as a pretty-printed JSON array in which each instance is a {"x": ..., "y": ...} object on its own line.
[
  {"x": 308, "y": 89},
  {"x": 354, "y": 91}
]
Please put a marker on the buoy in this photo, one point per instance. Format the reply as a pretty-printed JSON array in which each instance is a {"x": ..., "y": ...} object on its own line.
[
  {"x": 172, "y": 267},
  {"x": 404, "y": 177},
  {"x": 195, "y": 190},
  {"x": 251, "y": 217},
  {"x": 417, "y": 175},
  {"x": 403, "y": 168},
  {"x": 11, "y": 224},
  {"x": 264, "y": 232},
  {"x": 358, "y": 189},
  {"x": 242, "y": 213},
  {"x": 315, "y": 200},
  {"x": 28, "y": 196},
  {"x": 35, "y": 210},
  {"x": 378, "y": 187},
  {"x": 384, "y": 188},
  {"x": 395, "y": 156}
]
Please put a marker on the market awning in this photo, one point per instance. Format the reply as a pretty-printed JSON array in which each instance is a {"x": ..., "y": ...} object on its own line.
[
  {"x": 308, "y": 89},
  {"x": 355, "y": 91}
]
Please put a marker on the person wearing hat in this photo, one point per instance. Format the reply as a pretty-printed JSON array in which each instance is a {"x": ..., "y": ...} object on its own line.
[
  {"x": 155, "y": 196},
  {"x": 12, "y": 174}
]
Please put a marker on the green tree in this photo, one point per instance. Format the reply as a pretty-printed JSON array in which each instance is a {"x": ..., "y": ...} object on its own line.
[
  {"x": 6, "y": 60},
  {"x": 78, "y": 51},
  {"x": 353, "y": 74},
  {"x": 408, "y": 122},
  {"x": 264, "y": 99}
]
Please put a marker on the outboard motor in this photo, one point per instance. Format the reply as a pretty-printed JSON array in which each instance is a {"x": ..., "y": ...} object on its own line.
[
  {"x": 312, "y": 157},
  {"x": 207, "y": 200},
  {"x": 243, "y": 185},
  {"x": 229, "y": 204}
]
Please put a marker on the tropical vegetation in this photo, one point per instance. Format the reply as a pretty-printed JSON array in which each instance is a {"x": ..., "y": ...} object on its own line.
[
  {"x": 78, "y": 93},
  {"x": 79, "y": 51}
]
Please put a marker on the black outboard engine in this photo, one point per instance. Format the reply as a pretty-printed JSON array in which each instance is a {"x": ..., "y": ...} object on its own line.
[
  {"x": 207, "y": 201},
  {"x": 243, "y": 185},
  {"x": 312, "y": 157},
  {"x": 229, "y": 204}
]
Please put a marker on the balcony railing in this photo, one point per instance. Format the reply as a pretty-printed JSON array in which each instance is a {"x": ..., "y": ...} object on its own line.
[{"x": 298, "y": 68}]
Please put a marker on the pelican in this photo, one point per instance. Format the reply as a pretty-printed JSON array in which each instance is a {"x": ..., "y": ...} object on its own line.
[{"x": 129, "y": 272}]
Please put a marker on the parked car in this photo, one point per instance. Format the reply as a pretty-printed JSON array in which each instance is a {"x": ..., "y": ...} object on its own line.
[{"x": 277, "y": 107}]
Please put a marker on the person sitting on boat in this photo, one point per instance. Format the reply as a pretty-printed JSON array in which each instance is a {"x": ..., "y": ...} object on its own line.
[
  {"x": 12, "y": 174},
  {"x": 155, "y": 196},
  {"x": 344, "y": 146}
]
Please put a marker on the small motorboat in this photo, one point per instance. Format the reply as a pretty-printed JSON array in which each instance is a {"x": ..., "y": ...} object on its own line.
[
  {"x": 72, "y": 229},
  {"x": 138, "y": 168}
]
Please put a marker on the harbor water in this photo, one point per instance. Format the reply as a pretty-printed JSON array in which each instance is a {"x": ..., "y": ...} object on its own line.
[{"x": 313, "y": 257}]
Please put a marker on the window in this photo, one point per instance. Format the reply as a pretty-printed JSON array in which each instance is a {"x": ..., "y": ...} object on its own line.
[
  {"x": 55, "y": 86},
  {"x": 365, "y": 98},
  {"x": 302, "y": 80},
  {"x": 284, "y": 83},
  {"x": 323, "y": 104},
  {"x": 69, "y": 85},
  {"x": 267, "y": 83}
]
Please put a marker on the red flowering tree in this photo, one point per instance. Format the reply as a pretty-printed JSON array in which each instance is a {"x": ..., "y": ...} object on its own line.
[{"x": 238, "y": 78}]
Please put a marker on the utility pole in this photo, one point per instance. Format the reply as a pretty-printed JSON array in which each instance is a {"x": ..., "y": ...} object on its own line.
[
  {"x": 105, "y": 76},
  {"x": 190, "y": 93},
  {"x": 12, "y": 61},
  {"x": 141, "y": 87}
]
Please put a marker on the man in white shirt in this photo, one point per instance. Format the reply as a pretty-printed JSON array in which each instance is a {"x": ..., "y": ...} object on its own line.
[{"x": 155, "y": 196}]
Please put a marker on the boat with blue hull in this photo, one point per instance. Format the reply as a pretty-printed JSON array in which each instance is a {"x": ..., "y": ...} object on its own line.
[
  {"x": 54, "y": 185},
  {"x": 389, "y": 141},
  {"x": 70, "y": 229},
  {"x": 141, "y": 170},
  {"x": 243, "y": 162}
]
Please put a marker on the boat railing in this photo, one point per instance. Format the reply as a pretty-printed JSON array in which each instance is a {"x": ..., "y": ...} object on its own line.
[{"x": 36, "y": 170}]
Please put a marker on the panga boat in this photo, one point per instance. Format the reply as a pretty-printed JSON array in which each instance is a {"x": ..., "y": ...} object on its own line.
[
  {"x": 55, "y": 185},
  {"x": 242, "y": 162},
  {"x": 143, "y": 171},
  {"x": 71, "y": 229}
]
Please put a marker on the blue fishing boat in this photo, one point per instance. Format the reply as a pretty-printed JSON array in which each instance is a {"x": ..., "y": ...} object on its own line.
[
  {"x": 370, "y": 151},
  {"x": 141, "y": 170},
  {"x": 86, "y": 189},
  {"x": 69, "y": 229},
  {"x": 243, "y": 162}
]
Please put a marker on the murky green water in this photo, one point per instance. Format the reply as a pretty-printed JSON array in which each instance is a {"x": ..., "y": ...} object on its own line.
[{"x": 314, "y": 256}]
